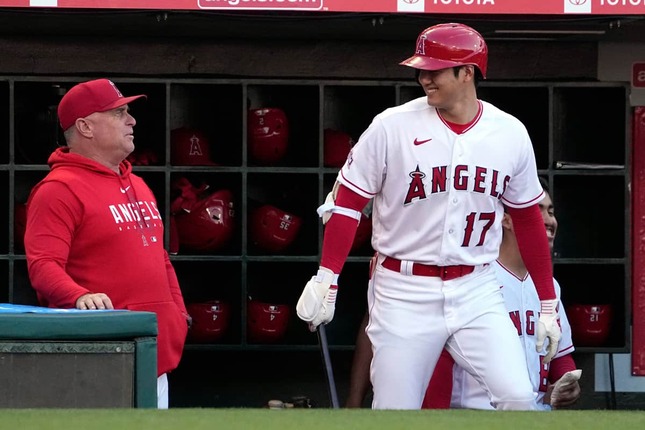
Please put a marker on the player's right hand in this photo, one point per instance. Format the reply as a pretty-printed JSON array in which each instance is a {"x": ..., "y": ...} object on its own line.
[
  {"x": 548, "y": 328},
  {"x": 317, "y": 302}
]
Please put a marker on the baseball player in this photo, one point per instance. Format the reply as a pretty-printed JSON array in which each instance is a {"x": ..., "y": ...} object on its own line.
[
  {"x": 523, "y": 307},
  {"x": 441, "y": 169}
]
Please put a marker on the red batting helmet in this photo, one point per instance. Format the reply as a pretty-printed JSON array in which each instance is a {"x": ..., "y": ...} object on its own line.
[
  {"x": 590, "y": 324},
  {"x": 273, "y": 229},
  {"x": 337, "y": 145},
  {"x": 449, "y": 45},
  {"x": 189, "y": 147},
  {"x": 268, "y": 135},
  {"x": 266, "y": 322},
  {"x": 210, "y": 320},
  {"x": 203, "y": 223}
]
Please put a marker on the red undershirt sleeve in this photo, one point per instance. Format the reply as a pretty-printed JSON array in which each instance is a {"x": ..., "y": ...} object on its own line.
[
  {"x": 340, "y": 230},
  {"x": 534, "y": 248},
  {"x": 559, "y": 366}
]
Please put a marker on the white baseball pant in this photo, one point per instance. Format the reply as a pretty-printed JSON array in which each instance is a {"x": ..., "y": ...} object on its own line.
[{"x": 412, "y": 318}]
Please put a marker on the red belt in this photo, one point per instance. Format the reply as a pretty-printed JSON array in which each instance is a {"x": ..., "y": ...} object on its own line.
[{"x": 444, "y": 272}]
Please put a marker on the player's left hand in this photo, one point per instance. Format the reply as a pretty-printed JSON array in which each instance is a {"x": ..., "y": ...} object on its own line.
[
  {"x": 548, "y": 328},
  {"x": 566, "y": 390}
]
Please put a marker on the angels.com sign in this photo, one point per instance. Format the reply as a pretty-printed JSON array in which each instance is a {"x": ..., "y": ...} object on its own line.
[{"x": 262, "y": 4}]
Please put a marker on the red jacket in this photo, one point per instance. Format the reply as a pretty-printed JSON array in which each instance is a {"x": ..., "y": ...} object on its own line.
[{"x": 91, "y": 230}]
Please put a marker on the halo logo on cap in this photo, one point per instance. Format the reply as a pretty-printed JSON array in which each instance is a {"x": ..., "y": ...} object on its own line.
[{"x": 118, "y": 93}]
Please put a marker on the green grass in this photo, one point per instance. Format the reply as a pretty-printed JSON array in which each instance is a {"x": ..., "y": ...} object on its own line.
[{"x": 314, "y": 419}]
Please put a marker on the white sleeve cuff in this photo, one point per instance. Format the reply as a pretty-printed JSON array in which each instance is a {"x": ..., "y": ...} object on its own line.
[{"x": 327, "y": 209}]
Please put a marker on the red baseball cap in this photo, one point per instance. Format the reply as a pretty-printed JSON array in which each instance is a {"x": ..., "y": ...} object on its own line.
[{"x": 84, "y": 99}]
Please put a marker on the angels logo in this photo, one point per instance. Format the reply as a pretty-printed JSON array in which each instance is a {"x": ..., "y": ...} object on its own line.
[
  {"x": 474, "y": 179},
  {"x": 410, "y": 5},
  {"x": 421, "y": 45},
  {"x": 195, "y": 148},
  {"x": 577, "y": 6},
  {"x": 416, "y": 190}
]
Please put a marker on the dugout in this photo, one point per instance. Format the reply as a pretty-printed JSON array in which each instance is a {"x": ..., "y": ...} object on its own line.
[
  {"x": 77, "y": 359},
  {"x": 565, "y": 71}
]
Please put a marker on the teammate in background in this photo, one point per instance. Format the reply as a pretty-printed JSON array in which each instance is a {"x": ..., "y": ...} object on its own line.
[
  {"x": 523, "y": 307},
  {"x": 441, "y": 170},
  {"x": 94, "y": 235}
]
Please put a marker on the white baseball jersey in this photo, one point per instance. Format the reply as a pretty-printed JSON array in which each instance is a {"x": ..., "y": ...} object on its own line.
[
  {"x": 437, "y": 194},
  {"x": 438, "y": 200},
  {"x": 523, "y": 307}
]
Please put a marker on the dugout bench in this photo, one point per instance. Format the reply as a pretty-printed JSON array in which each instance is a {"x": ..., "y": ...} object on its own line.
[{"x": 54, "y": 358}]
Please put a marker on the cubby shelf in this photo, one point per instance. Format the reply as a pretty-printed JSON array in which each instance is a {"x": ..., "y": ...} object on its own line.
[{"x": 574, "y": 122}]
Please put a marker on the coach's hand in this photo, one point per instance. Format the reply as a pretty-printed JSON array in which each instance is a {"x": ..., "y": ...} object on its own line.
[
  {"x": 94, "y": 301},
  {"x": 317, "y": 302},
  {"x": 548, "y": 327}
]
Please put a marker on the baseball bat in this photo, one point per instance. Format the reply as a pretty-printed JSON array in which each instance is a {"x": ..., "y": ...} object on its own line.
[{"x": 324, "y": 349}]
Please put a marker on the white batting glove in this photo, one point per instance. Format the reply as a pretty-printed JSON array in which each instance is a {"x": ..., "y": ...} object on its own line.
[
  {"x": 565, "y": 383},
  {"x": 317, "y": 302},
  {"x": 548, "y": 327}
]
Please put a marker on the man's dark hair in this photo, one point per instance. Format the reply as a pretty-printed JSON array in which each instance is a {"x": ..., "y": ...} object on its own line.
[
  {"x": 478, "y": 73},
  {"x": 545, "y": 185}
]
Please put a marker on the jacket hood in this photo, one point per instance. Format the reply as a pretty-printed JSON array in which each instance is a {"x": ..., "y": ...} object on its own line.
[{"x": 61, "y": 158}]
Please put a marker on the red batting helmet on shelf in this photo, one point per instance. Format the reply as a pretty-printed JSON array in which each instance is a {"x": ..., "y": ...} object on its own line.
[
  {"x": 268, "y": 135},
  {"x": 337, "y": 145},
  {"x": 273, "y": 229},
  {"x": 590, "y": 324},
  {"x": 266, "y": 322},
  {"x": 449, "y": 45},
  {"x": 210, "y": 320},
  {"x": 189, "y": 147},
  {"x": 203, "y": 223}
]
